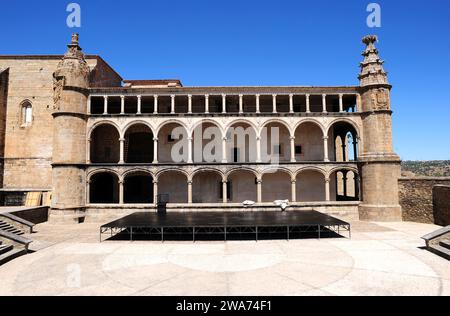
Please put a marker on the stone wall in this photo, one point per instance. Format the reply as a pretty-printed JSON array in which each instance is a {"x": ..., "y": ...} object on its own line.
[
  {"x": 416, "y": 198},
  {"x": 441, "y": 203}
]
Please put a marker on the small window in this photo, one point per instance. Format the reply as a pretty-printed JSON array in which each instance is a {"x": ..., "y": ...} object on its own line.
[
  {"x": 27, "y": 113},
  {"x": 236, "y": 155},
  {"x": 170, "y": 139},
  {"x": 299, "y": 150}
]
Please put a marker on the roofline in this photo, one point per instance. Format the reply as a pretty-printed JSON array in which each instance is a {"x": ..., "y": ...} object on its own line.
[{"x": 48, "y": 57}]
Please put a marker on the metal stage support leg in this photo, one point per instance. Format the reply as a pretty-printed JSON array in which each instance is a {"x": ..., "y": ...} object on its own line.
[
  {"x": 100, "y": 235},
  {"x": 256, "y": 234},
  {"x": 225, "y": 234},
  {"x": 193, "y": 234},
  {"x": 288, "y": 233},
  {"x": 131, "y": 234},
  {"x": 162, "y": 234},
  {"x": 319, "y": 231}
]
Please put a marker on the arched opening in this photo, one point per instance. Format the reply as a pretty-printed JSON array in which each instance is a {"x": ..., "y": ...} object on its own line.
[
  {"x": 138, "y": 188},
  {"x": 104, "y": 188},
  {"x": 207, "y": 187},
  {"x": 275, "y": 143},
  {"x": 207, "y": 143},
  {"x": 276, "y": 186},
  {"x": 241, "y": 143},
  {"x": 345, "y": 145},
  {"x": 309, "y": 142},
  {"x": 346, "y": 185},
  {"x": 243, "y": 186},
  {"x": 105, "y": 146},
  {"x": 310, "y": 186},
  {"x": 139, "y": 144},
  {"x": 174, "y": 185},
  {"x": 27, "y": 113},
  {"x": 173, "y": 144}
]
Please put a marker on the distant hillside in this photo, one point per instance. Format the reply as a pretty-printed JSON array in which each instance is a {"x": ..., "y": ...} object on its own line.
[{"x": 426, "y": 168}]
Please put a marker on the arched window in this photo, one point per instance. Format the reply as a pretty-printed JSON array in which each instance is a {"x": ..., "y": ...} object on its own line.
[{"x": 27, "y": 113}]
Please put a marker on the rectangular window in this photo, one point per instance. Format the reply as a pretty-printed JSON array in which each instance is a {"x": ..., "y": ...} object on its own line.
[
  {"x": 299, "y": 150},
  {"x": 170, "y": 139}
]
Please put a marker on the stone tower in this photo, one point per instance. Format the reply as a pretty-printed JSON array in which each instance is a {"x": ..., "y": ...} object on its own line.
[
  {"x": 380, "y": 166},
  {"x": 71, "y": 82}
]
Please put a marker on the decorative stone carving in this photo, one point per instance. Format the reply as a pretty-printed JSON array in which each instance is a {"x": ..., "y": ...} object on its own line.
[{"x": 380, "y": 99}]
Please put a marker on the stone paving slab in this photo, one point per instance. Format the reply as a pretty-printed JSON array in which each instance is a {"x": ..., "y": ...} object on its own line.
[{"x": 380, "y": 259}]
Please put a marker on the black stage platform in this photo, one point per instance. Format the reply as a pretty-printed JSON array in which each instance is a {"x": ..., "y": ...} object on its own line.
[{"x": 226, "y": 225}]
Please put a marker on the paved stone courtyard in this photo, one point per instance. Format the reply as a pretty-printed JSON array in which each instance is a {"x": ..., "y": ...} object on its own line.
[{"x": 381, "y": 259}]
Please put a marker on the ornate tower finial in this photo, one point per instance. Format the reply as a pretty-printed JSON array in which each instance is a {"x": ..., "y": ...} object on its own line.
[
  {"x": 75, "y": 37},
  {"x": 372, "y": 71}
]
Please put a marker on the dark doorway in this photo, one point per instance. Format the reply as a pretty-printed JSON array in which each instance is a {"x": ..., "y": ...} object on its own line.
[
  {"x": 138, "y": 189},
  {"x": 104, "y": 189}
]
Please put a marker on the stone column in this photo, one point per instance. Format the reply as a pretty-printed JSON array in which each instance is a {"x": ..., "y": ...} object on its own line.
[
  {"x": 172, "y": 107},
  {"x": 88, "y": 192},
  {"x": 155, "y": 106},
  {"x": 258, "y": 106},
  {"x": 259, "y": 190},
  {"x": 88, "y": 151},
  {"x": 155, "y": 192},
  {"x": 225, "y": 191},
  {"x": 294, "y": 190},
  {"x": 327, "y": 189},
  {"x": 207, "y": 104},
  {"x": 105, "y": 105},
  {"x": 189, "y": 104},
  {"x": 274, "y": 100},
  {"x": 344, "y": 148},
  {"x": 291, "y": 103},
  {"x": 121, "y": 193},
  {"x": 308, "y": 104},
  {"x": 155, "y": 150},
  {"x": 325, "y": 149},
  {"x": 341, "y": 103},
  {"x": 89, "y": 106},
  {"x": 355, "y": 147},
  {"x": 358, "y": 103},
  {"x": 344, "y": 181},
  {"x": 258, "y": 149},
  {"x": 122, "y": 104},
  {"x": 122, "y": 151},
  {"x": 293, "y": 158},
  {"x": 189, "y": 192},
  {"x": 224, "y": 150},
  {"x": 139, "y": 105},
  {"x": 190, "y": 159},
  {"x": 324, "y": 103},
  {"x": 241, "y": 104},
  {"x": 224, "y": 104}
]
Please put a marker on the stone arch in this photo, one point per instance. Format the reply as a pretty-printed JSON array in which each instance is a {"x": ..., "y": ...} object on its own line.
[
  {"x": 242, "y": 147},
  {"x": 312, "y": 121},
  {"x": 104, "y": 146},
  {"x": 173, "y": 184},
  {"x": 276, "y": 184},
  {"x": 138, "y": 143},
  {"x": 138, "y": 122},
  {"x": 343, "y": 135},
  {"x": 166, "y": 143},
  {"x": 243, "y": 185},
  {"x": 346, "y": 184},
  {"x": 309, "y": 141},
  {"x": 169, "y": 122},
  {"x": 311, "y": 168},
  {"x": 343, "y": 120},
  {"x": 273, "y": 121},
  {"x": 103, "y": 187},
  {"x": 138, "y": 187},
  {"x": 207, "y": 150},
  {"x": 310, "y": 185},
  {"x": 103, "y": 122},
  {"x": 207, "y": 185}
]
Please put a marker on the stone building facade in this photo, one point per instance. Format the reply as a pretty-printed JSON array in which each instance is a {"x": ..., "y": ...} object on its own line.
[{"x": 70, "y": 125}]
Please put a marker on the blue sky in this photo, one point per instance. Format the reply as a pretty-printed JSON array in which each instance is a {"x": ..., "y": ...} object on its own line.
[{"x": 257, "y": 42}]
